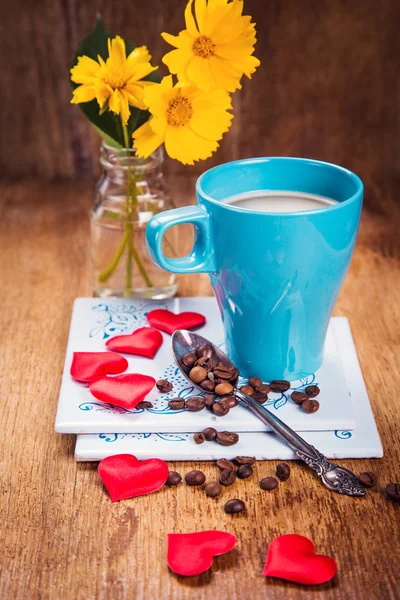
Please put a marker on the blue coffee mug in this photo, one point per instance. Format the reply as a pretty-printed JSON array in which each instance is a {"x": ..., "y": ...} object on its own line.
[{"x": 276, "y": 276}]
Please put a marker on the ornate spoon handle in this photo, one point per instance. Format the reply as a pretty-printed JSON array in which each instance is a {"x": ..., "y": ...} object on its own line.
[{"x": 334, "y": 477}]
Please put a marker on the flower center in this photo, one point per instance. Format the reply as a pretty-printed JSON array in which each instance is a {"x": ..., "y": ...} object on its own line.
[
  {"x": 116, "y": 78},
  {"x": 179, "y": 112},
  {"x": 203, "y": 46}
]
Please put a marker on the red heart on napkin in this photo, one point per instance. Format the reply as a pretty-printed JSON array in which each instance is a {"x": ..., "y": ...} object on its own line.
[
  {"x": 293, "y": 557},
  {"x": 170, "y": 322},
  {"x": 124, "y": 390},
  {"x": 193, "y": 553},
  {"x": 90, "y": 366},
  {"x": 126, "y": 477},
  {"x": 144, "y": 341}
]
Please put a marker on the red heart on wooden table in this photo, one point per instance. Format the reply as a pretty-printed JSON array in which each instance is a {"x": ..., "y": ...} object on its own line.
[
  {"x": 144, "y": 341},
  {"x": 193, "y": 553},
  {"x": 124, "y": 390},
  {"x": 293, "y": 557},
  {"x": 126, "y": 477},
  {"x": 90, "y": 366},
  {"x": 170, "y": 322}
]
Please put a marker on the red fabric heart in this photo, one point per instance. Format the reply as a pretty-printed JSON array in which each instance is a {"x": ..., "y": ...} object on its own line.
[
  {"x": 124, "y": 390},
  {"x": 170, "y": 322},
  {"x": 192, "y": 553},
  {"x": 90, "y": 366},
  {"x": 293, "y": 557},
  {"x": 144, "y": 341},
  {"x": 126, "y": 477}
]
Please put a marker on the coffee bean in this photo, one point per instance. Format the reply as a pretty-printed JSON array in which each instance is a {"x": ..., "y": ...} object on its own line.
[
  {"x": 264, "y": 389},
  {"x": 255, "y": 382},
  {"x": 244, "y": 460},
  {"x": 222, "y": 389},
  {"x": 199, "y": 438},
  {"x": 213, "y": 489},
  {"x": 173, "y": 478},
  {"x": 198, "y": 374},
  {"x": 227, "y": 438},
  {"x": 204, "y": 351},
  {"x": 225, "y": 464},
  {"x": 232, "y": 507},
  {"x": 208, "y": 385},
  {"x": 279, "y": 385},
  {"x": 144, "y": 404},
  {"x": 227, "y": 477},
  {"x": 312, "y": 391},
  {"x": 176, "y": 404},
  {"x": 195, "y": 404},
  {"x": 244, "y": 471},
  {"x": 223, "y": 372},
  {"x": 367, "y": 479},
  {"x": 298, "y": 397},
  {"x": 220, "y": 409},
  {"x": 247, "y": 389},
  {"x": 230, "y": 401},
  {"x": 259, "y": 397},
  {"x": 310, "y": 406},
  {"x": 195, "y": 477},
  {"x": 269, "y": 483},
  {"x": 210, "y": 434},
  {"x": 164, "y": 386},
  {"x": 209, "y": 400},
  {"x": 189, "y": 359},
  {"x": 205, "y": 362},
  {"x": 235, "y": 375},
  {"x": 393, "y": 491},
  {"x": 283, "y": 471}
]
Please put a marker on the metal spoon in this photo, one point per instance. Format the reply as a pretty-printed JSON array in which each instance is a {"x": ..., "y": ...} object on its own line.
[{"x": 335, "y": 478}]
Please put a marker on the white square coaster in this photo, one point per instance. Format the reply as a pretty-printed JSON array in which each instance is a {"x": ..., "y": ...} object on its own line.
[
  {"x": 94, "y": 321},
  {"x": 363, "y": 442}
]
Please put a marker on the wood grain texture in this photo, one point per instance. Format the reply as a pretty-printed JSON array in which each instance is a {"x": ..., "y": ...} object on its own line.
[
  {"x": 62, "y": 539},
  {"x": 328, "y": 86}
]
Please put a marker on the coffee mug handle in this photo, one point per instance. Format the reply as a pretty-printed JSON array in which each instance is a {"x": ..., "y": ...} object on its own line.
[{"x": 201, "y": 258}]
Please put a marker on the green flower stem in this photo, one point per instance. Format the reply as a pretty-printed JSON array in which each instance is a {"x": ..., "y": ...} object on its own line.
[
  {"x": 108, "y": 271},
  {"x": 127, "y": 239}
]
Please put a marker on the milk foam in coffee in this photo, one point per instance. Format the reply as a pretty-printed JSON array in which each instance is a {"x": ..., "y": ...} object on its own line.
[{"x": 273, "y": 201}]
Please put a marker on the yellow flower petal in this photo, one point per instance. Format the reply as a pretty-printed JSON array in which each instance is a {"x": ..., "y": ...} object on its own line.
[
  {"x": 114, "y": 102},
  {"x": 231, "y": 26},
  {"x": 103, "y": 92},
  {"x": 140, "y": 71},
  {"x": 200, "y": 9},
  {"x": 124, "y": 105},
  {"x": 117, "y": 51},
  {"x": 189, "y": 20},
  {"x": 177, "y": 61},
  {"x": 198, "y": 72},
  {"x": 83, "y": 93},
  {"x": 84, "y": 70},
  {"x": 214, "y": 17},
  {"x": 211, "y": 124},
  {"x": 139, "y": 55},
  {"x": 146, "y": 141},
  {"x": 184, "y": 145},
  {"x": 223, "y": 75}
]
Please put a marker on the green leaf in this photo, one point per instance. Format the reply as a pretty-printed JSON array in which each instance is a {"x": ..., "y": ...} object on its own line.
[{"x": 108, "y": 124}]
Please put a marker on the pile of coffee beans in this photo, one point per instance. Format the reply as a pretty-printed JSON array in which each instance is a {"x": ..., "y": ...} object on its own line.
[
  {"x": 225, "y": 438},
  {"x": 306, "y": 399},
  {"x": 271, "y": 483}
]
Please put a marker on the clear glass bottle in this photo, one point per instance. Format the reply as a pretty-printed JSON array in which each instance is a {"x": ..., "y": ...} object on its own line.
[{"x": 129, "y": 192}]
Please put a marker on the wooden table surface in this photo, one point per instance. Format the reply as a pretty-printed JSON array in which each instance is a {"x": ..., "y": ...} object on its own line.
[{"x": 62, "y": 538}]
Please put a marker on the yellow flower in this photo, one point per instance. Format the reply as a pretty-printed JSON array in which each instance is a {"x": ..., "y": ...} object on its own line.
[
  {"x": 216, "y": 49},
  {"x": 190, "y": 121},
  {"x": 115, "y": 83}
]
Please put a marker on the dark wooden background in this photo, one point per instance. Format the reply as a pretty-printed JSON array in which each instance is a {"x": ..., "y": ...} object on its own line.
[{"x": 328, "y": 86}]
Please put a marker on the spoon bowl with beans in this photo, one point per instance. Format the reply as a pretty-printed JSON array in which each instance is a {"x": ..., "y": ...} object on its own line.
[{"x": 208, "y": 369}]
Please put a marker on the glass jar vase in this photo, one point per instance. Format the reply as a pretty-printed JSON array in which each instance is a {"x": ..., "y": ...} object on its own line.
[{"x": 129, "y": 192}]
